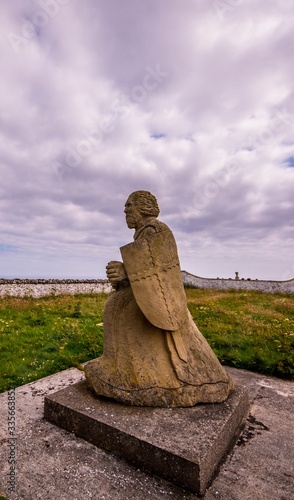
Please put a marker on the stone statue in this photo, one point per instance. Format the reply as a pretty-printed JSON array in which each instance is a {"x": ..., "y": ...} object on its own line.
[{"x": 154, "y": 354}]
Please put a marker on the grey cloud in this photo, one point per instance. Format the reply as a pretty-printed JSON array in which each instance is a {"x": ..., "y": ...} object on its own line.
[{"x": 81, "y": 101}]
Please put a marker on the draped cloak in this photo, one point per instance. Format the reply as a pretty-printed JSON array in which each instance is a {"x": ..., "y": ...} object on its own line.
[{"x": 154, "y": 354}]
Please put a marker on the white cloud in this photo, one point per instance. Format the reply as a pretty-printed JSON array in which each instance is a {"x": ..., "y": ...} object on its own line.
[{"x": 102, "y": 98}]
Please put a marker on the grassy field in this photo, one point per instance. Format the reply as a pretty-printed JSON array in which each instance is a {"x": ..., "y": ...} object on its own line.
[
  {"x": 38, "y": 337},
  {"x": 251, "y": 330}
]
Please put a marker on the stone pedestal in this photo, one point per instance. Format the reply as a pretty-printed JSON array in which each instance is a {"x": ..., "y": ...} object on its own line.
[{"x": 182, "y": 445}]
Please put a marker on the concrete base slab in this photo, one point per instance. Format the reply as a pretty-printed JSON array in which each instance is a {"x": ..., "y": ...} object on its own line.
[{"x": 182, "y": 445}]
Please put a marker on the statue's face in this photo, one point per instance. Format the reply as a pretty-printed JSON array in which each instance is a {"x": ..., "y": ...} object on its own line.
[{"x": 134, "y": 218}]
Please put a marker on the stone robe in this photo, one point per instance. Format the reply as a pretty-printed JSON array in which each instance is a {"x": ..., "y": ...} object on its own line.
[{"x": 154, "y": 354}]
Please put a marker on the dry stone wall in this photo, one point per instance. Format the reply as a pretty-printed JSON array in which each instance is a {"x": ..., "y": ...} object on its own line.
[
  {"x": 41, "y": 288},
  {"x": 239, "y": 284}
]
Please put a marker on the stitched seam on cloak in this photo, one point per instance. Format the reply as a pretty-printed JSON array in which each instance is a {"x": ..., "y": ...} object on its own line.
[
  {"x": 160, "y": 285},
  {"x": 150, "y": 274}
]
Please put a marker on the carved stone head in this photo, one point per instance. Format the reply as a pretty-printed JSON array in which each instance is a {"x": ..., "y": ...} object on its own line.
[{"x": 139, "y": 206}]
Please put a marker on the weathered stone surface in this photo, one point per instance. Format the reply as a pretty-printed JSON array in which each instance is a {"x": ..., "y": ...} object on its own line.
[
  {"x": 260, "y": 466},
  {"x": 154, "y": 354},
  {"x": 182, "y": 445}
]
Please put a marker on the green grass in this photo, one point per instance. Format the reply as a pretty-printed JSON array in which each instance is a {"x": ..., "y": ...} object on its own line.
[
  {"x": 38, "y": 337},
  {"x": 252, "y": 330}
]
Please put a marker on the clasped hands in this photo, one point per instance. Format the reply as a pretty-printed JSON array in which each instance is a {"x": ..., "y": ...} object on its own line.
[{"x": 115, "y": 272}]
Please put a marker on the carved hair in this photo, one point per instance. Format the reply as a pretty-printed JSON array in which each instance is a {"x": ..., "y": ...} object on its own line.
[{"x": 147, "y": 202}]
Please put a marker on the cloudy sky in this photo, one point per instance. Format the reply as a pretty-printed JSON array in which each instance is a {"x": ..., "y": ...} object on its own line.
[{"x": 189, "y": 99}]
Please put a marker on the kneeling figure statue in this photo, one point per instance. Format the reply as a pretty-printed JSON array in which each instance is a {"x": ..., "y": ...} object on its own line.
[{"x": 154, "y": 354}]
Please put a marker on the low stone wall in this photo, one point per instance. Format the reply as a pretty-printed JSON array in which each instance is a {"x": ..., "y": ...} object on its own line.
[
  {"x": 240, "y": 284},
  {"x": 41, "y": 288}
]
